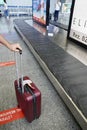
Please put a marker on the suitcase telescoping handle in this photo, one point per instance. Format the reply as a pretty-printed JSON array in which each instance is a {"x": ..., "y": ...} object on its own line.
[{"x": 21, "y": 73}]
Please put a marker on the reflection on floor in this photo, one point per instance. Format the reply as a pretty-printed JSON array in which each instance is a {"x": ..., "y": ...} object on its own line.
[
  {"x": 60, "y": 25},
  {"x": 62, "y": 19},
  {"x": 62, "y": 22}
]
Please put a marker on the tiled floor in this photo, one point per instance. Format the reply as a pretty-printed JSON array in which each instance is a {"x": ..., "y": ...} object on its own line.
[{"x": 54, "y": 115}]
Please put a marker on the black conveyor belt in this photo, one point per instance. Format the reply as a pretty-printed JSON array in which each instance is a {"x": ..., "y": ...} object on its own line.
[{"x": 69, "y": 72}]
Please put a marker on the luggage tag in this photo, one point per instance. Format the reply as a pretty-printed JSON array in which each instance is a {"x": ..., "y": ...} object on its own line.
[{"x": 28, "y": 82}]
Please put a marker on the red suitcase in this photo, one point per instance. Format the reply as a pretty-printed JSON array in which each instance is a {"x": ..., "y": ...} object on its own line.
[{"x": 28, "y": 97}]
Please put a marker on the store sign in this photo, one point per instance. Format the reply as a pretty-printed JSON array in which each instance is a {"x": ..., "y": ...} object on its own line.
[{"x": 78, "y": 29}]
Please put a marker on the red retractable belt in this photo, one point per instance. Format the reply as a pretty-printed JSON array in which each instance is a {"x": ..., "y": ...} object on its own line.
[
  {"x": 9, "y": 63},
  {"x": 10, "y": 115}
]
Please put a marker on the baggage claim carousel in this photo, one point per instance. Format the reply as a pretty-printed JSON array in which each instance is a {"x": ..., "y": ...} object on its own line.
[{"x": 67, "y": 74}]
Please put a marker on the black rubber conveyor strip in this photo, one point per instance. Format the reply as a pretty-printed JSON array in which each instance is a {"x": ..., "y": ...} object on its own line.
[{"x": 70, "y": 72}]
